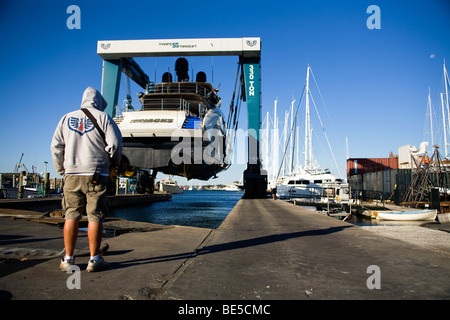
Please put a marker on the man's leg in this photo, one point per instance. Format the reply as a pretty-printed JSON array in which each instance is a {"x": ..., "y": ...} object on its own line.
[
  {"x": 70, "y": 235},
  {"x": 95, "y": 233},
  {"x": 97, "y": 206},
  {"x": 73, "y": 204}
]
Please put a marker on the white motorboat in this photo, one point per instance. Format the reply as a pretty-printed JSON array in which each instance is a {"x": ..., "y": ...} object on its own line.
[
  {"x": 180, "y": 128},
  {"x": 314, "y": 185},
  {"x": 170, "y": 186},
  {"x": 231, "y": 187}
]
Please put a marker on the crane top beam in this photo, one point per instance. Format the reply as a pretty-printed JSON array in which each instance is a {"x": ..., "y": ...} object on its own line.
[{"x": 117, "y": 49}]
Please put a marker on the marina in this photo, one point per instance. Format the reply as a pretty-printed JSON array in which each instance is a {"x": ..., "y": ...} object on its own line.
[
  {"x": 214, "y": 194},
  {"x": 314, "y": 238},
  {"x": 290, "y": 179}
]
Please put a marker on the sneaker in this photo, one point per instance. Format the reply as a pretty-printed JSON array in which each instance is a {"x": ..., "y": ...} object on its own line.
[
  {"x": 65, "y": 264},
  {"x": 99, "y": 265}
]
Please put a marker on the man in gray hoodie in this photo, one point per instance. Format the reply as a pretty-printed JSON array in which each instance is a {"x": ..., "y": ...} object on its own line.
[{"x": 83, "y": 157}]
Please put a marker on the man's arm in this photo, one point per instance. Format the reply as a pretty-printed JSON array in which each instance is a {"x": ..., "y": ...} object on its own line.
[{"x": 114, "y": 142}]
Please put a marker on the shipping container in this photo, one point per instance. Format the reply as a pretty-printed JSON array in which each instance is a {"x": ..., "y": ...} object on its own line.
[
  {"x": 367, "y": 165},
  {"x": 380, "y": 184}
]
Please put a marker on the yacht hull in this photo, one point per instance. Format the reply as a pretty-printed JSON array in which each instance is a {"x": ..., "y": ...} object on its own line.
[{"x": 174, "y": 157}]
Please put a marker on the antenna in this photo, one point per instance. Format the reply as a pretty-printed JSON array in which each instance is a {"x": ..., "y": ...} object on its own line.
[
  {"x": 212, "y": 70},
  {"x": 346, "y": 144}
]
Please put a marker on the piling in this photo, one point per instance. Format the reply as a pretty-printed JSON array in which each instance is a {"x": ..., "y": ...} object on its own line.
[
  {"x": 46, "y": 184},
  {"x": 21, "y": 185}
]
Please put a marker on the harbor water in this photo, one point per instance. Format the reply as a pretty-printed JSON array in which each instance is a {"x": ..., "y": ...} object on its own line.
[{"x": 203, "y": 209}]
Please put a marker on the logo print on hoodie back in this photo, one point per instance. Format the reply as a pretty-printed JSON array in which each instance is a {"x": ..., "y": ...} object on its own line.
[{"x": 80, "y": 126}]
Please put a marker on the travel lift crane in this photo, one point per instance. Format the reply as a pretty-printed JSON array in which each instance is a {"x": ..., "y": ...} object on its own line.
[
  {"x": 19, "y": 165},
  {"x": 118, "y": 57}
]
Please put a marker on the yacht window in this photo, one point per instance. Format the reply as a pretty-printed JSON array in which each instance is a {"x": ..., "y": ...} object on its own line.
[
  {"x": 291, "y": 182},
  {"x": 317, "y": 181},
  {"x": 305, "y": 181}
]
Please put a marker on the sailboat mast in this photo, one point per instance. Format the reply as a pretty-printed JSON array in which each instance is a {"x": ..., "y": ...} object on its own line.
[
  {"x": 307, "y": 126},
  {"x": 292, "y": 139},
  {"x": 431, "y": 117},
  {"x": 286, "y": 119},
  {"x": 275, "y": 145},
  {"x": 446, "y": 93},
  {"x": 297, "y": 164},
  {"x": 266, "y": 144},
  {"x": 445, "y": 126}
]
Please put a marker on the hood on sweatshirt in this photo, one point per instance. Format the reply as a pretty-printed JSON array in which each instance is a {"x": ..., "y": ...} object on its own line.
[{"x": 94, "y": 99}]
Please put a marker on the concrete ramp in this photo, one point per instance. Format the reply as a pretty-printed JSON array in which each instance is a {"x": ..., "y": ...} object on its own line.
[{"x": 269, "y": 249}]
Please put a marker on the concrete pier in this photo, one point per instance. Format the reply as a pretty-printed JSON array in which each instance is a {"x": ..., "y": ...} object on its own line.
[
  {"x": 265, "y": 249},
  {"x": 269, "y": 249}
]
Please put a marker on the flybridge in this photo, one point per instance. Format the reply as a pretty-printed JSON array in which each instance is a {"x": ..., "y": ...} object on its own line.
[{"x": 116, "y": 49}]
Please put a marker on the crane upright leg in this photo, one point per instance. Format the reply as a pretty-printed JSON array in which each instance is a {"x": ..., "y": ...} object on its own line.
[
  {"x": 255, "y": 179},
  {"x": 112, "y": 71}
]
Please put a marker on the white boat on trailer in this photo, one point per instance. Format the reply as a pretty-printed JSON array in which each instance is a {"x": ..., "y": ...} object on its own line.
[{"x": 405, "y": 215}]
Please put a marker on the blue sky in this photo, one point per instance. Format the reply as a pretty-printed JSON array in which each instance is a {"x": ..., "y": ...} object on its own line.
[{"x": 374, "y": 82}]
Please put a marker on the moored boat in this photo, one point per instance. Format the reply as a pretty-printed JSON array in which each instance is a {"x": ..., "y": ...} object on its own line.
[
  {"x": 315, "y": 185},
  {"x": 170, "y": 186},
  {"x": 231, "y": 187},
  {"x": 405, "y": 215},
  {"x": 309, "y": 182}
]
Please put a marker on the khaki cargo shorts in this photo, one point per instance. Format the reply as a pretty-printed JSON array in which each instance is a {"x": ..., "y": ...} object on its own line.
[{"x": 81, "y": 197}]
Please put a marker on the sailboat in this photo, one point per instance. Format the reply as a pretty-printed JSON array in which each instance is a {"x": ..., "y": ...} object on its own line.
[
  {"x": 310, "y": 182},
  {"x": 443, "y": 109}
]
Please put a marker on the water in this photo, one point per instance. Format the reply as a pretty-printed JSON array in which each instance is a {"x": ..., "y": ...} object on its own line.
[{"x": 204, "y": 209}]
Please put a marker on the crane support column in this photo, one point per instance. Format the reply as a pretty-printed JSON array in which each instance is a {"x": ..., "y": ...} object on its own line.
[
  {"x": 112, "y": 71},
  {"x": 255, "y": 180}
]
